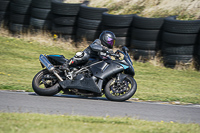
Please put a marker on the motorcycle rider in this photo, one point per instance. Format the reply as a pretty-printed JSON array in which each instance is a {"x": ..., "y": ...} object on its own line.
[{"x": 94, "y": 51}]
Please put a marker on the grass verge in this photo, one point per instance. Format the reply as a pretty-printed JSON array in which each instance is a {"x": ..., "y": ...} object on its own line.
[
  {"x": 19, "y": 64},
  {"x": 40, "y": 123},
  {"x": 185, "y": 9},
  {"x": 20, "y": 61}
]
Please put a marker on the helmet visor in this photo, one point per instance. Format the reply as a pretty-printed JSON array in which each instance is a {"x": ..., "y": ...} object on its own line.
[{"x": 111, "y": 42}]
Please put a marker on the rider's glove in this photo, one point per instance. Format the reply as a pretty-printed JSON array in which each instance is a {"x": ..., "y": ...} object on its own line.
[
  {"x": 117, "y": 55},
  {"x": 110, "y": 51}
]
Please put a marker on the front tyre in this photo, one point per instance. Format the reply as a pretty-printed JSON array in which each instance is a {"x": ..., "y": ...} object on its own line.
[
  {"x": 116, "y": 91},
  {"x": 43, "y": 86}
]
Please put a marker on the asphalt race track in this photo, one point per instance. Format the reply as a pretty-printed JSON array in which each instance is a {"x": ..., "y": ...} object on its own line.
[{"x": 29, "y": 102}]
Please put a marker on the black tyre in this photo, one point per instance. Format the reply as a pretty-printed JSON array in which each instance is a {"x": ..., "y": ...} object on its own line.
[
  {"x": 173, "y": 49},
  {"x": 3, "y": 15},
  {"x": 45, "y": 87},
  {"x": 122, "y": 41},
  {"x": 89, "y": 24},
  {"x": 18, "y": 27},
  {"x": 64, "y": 20},
  {"x": 173, "y": 59},
  {"x": 45, "y": 4},
  {"x": 91, "y": 12},
  {"x": 70, "y": 30},
  {"x": 117, "y": 20},
  {"x": 40, "y": 23},
  {"x": 145, "y": 45},
  {"x": 147, "y": 23},
  {"x": 89, "y": 35},
  {"x": 123, "y": 92},
  {"x": 41, "y": 13},
  {"x": 198, "y": 50},
  {"x": 22, "y": 2},
  {"x": 119, "y": 32},
  {"x": 20, "y": 9},
  {"x": 143, "y": 54},
  {"x": 19, "y": 18},
  {"x": 181, "y": 39},
  {"x": 60, "y": 8},
  {"x": 182, "y": 26},
  {"x": 4, "y": 5},
  {"x": 146, "y": 35}
]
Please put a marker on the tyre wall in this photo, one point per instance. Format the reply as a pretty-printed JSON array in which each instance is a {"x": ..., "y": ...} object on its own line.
[
  {"x": 120, "y": 25},
  {"x": 145, "y": 36},
  {"x": 4, "y": 11},
  {"x": 65, "y": 17},
  {"x": 41, "y": 15},
  {"x": 198, "y": 52},
  {"x": 19, "y": 16},
  {"x": 178, "y": 40},
  {"x": 89, "y": 22}
]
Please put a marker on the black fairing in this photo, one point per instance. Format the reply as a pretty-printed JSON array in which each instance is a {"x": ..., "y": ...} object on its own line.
[
  {"x": 128, "y": 71},
  {"x": 57, "y": 59},
  {"x": 107, "y": 69},
  {"x": 83, "y": 84},
  {"x": 121, "y": 62}
]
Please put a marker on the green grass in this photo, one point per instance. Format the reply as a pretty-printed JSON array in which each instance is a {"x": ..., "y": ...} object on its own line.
[
  {"x": 40, "y": 123},
  {"x": 183, "y": 9},
  {"x": 164, "y": 84},
  {"x": 19, "y": 63}
]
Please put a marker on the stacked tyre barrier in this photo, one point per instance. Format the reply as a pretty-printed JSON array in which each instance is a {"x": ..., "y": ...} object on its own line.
[
  {"x": 145, "y": 37},
  {"x": 41, "y": 15},
  {"x": 197, "y": 53},
  {"x": 179, "y": 40},
  {"x": 199, "y": 56},
  {"x": 120, "y": 25},
  {"x": 4, "y": 11},
  {"x": 65, "y": 17},
  {"x": 19, "y": 15},
  {"x": 89, "y": 22}
]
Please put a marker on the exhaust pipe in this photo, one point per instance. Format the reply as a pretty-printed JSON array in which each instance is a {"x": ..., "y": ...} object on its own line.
[
  {"x": 43, "y": 59},
  {"x": 46, "y": 62}
]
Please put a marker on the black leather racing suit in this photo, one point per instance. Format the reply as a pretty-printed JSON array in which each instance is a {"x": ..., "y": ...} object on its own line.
[{"x": 92, "y": 52}]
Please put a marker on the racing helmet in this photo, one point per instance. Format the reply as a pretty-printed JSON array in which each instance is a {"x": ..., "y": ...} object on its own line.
[{"x": 107, "y": 38}]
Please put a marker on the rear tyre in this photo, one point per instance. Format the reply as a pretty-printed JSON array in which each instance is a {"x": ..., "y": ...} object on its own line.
[
  {"x": 122, "y": 92},
  {"x": 43, "y": 86}
]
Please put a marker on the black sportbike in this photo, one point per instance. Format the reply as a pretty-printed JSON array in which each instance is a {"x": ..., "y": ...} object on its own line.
[{"x": 112, "y": 77}]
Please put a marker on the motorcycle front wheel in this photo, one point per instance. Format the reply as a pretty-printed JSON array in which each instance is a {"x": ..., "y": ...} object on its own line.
[
  {"x": 116, "y": 91},
  {"x": 43, "y": 86}
]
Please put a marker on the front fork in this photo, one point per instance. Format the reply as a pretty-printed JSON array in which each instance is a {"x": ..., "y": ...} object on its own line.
[{"x": 120, "y": 77}]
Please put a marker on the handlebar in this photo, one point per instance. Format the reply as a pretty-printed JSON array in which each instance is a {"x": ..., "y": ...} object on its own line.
[{"x": 116, "y": 54}]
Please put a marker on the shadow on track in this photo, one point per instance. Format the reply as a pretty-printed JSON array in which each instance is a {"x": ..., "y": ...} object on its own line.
[{"x": 77, "y": 97}]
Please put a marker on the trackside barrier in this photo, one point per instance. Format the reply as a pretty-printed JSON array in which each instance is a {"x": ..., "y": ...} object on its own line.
[{"x": 178, "y": 40}]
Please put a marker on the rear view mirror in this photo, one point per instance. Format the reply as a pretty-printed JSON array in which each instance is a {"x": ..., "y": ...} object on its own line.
[{"x": 125, "y": 49}]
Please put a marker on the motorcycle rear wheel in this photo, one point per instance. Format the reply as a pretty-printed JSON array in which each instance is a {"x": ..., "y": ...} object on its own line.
[
  {"x": 121, "y": 92},
  {"x": 43, "y": 86}
]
